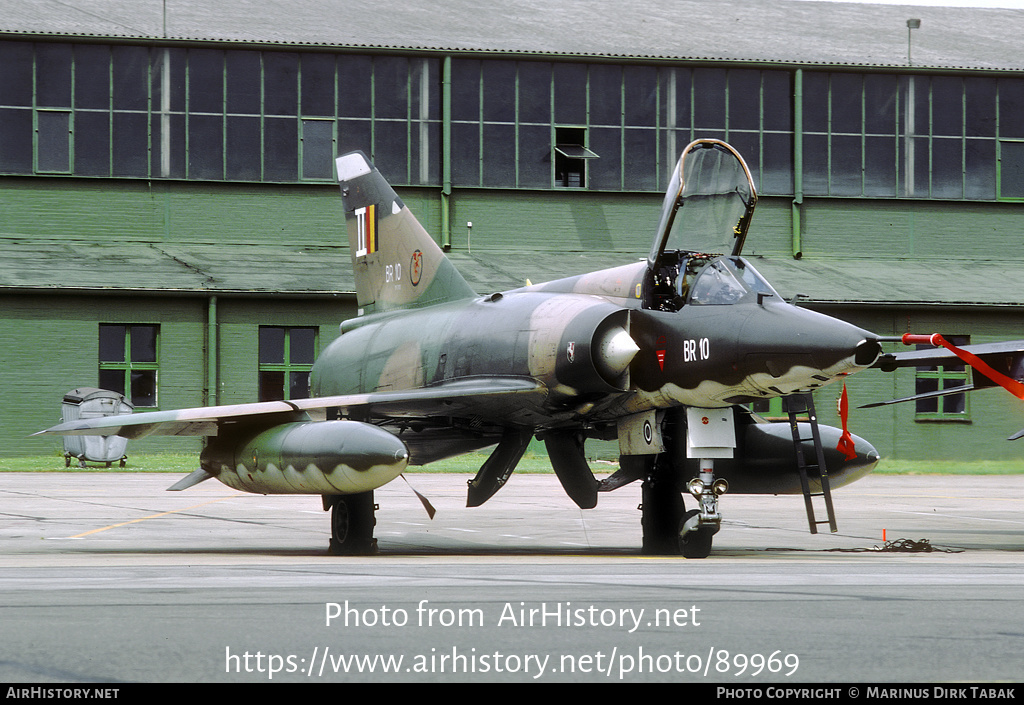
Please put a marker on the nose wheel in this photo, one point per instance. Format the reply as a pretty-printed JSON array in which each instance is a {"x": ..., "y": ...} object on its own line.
[{"x": 694, "y": 539}]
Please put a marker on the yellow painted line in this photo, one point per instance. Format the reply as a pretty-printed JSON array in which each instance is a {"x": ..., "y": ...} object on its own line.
[{"x": 151, "y": 516}]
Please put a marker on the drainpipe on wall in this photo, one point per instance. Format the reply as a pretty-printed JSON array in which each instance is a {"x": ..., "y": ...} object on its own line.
[
  {"x": 446, "y": 153},
  {"x": 212, "y": 351},
  {"x": 798, "y": 162}
]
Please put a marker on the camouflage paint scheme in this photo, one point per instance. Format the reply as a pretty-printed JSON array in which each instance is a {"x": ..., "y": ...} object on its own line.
[{"x": 430, "y": 369}]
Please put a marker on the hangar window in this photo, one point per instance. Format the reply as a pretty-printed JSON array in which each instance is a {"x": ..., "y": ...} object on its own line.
[
  {"x": 286, "y": 361},
  {"x": 129, "y": 361},
  {"x": 571, "y": 155},
  {"x": 935, "y": 378}
]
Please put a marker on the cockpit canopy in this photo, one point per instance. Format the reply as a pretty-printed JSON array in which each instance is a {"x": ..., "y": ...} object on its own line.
[{"x": 708, "y": 204}]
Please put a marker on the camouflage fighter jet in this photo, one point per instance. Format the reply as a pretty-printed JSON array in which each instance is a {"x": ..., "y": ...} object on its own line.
[{"x": 661, "y": 354}]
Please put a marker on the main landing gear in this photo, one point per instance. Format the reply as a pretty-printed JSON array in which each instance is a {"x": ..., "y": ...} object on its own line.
[{"x": 352, "y": 522}]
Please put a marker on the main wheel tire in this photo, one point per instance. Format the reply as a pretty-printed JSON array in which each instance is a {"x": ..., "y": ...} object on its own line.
[{"x": 352, "y": 522}]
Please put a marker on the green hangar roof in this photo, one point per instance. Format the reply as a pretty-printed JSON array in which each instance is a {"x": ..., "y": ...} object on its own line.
[{"x": 782, "y": 31}]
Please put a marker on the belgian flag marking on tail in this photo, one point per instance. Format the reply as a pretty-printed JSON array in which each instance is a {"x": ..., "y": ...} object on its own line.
[{"x": 366, "y": 229}]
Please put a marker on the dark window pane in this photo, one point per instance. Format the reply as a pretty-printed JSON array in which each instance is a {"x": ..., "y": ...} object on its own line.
[
  {"x": 980, "y": 169},
  {"x": 354, "y": 134},
  {"x": 980, "y": 107},
  {"x": 744, "y": 100},
  {"x": 16, "y": 141},
  {"x": 846, "y": 166},
  {"x": 815, "y": 113},
  {"x": 880, "y": 166},
  {"x": 641, "y": 103},
  {"x": 391, "y": 149},
  {"x": 570, "y": 93},
  {"x": 777, "y": 90},
  {"x": 391, "y": 87},
  {"x": 280, "y": 83},
  {"x": 924, "y": 385},
  {"x": 112, "y": 380},
  {"x": 534, "y": 92},
  {"x": 243, "y": 82},
  {"x": 880, "y": 92},
  {"x": 354, "y": 74},
  {"x": 205, "y": 81},
  {"x": 947, "y": 105},
  {"x": 53, "y": 75},
  {"x": 1011, "y": 169},
  {"x": 92, "y": 76},
  {"x": 318, "y": 84},
  {"x": 298, "y": 385},
  {"x": 317, "y": 149},
  {"x": 131, "y": 154},
  {"x": 605, "y": 95},
  {"x": 947, "y": 168},
  {"x": 54, "y": 130},
  {"x": 749, "y": 147},
  {"x": 777, "y": 164},
  {"x": 143, "y": 343},
  {"x": 281, "y": 149},
  {"x": 641, "y": 167},
  {"x": 271, "y": 386},
  {"x": 92, "y": 146},
  {"x": 465, "y": 89},
  {"x": 271, "y": 345},
  {"x": 606, "y": 172},
  {"x": 847, "y": 114},
  {"x": 499, "y": 81},
  {"x": 466, "y": 154},
  {"x": 1011, "y": 107},
  {"x": 816, "y": 164},
  {"x": 535, "y": 156},
  {"x": 953, "y": 403},
  {"x": 112, "y": 343},
  {"x": 499, "y": 156},
  {"x": 131, "y": 76},
  {"x": 205, "y": 147},
  {"x": 302, "y": 346},
  {"x": 144, "y": 387},
  {"x": 16, "y": 77},
  {"x": 708, "y": 100},
  {"x": 243, "y": 148}
]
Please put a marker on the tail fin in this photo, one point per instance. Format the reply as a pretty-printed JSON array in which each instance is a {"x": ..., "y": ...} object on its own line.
[{"x": 396, "y": 262}]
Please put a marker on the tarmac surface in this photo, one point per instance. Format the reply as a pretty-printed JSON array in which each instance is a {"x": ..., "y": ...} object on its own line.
[{"x": 108, "y": 578}]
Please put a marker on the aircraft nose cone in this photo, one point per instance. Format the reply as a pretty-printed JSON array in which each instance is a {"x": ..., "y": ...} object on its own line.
[{"x": 794, "y": 348}]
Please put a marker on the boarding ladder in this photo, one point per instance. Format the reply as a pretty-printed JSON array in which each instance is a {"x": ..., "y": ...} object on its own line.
[{"x": 812, "y": 470}]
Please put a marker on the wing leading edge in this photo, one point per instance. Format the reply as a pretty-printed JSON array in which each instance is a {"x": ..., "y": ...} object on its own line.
[{"x": 483, "y": 396}]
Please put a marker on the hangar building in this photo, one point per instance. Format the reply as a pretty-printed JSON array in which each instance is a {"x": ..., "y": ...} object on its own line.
[{"x": 170, "y": 227}]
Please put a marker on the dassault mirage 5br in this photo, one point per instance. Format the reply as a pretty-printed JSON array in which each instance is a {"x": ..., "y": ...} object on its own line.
[{"x": 661, "y": 354}]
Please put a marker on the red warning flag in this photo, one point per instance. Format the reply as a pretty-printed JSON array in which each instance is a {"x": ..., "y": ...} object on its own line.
[{"x": 846, "y": 445}]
